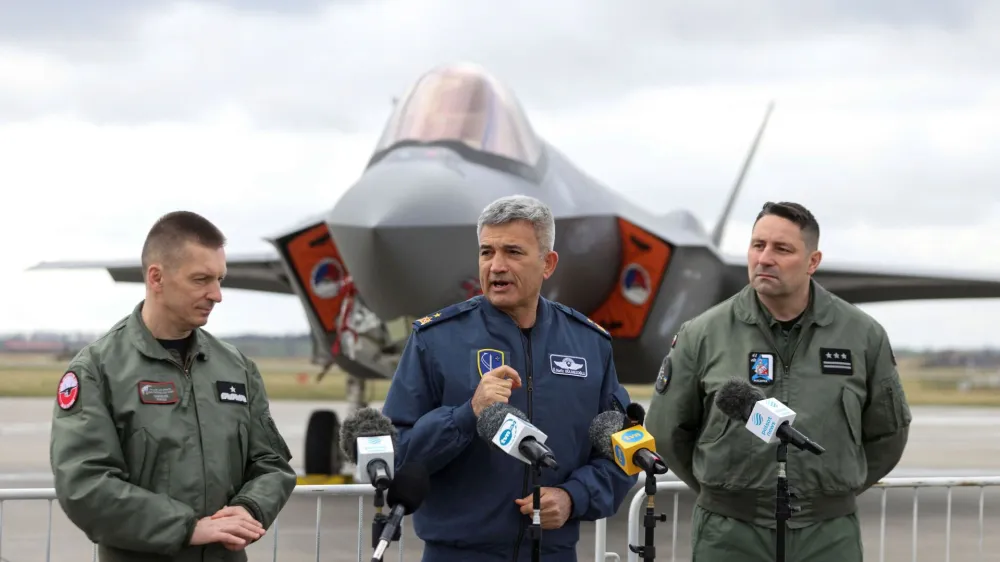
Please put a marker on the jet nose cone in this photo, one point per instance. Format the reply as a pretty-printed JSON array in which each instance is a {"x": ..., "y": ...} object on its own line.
[
  {"x": 412, "y": 193},
  {"x": 407, "y": 235}
]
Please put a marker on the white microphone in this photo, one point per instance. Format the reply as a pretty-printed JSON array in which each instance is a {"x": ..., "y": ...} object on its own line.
[
  {"x": 767, "y": 418},
  {"x": 375, "y": 461},
  {"x": 368, "y": 439},
  {"x": 508, "y": 429}
]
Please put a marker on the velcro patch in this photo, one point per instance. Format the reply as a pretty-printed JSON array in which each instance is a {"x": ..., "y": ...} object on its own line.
[
  {"x": 834, "y": 361},
  {"x": 68, "y": 391},
  {"x": 157, "y": 392},
  {"x": 231, "y": 392},
  {"x": 663, "y": 377},
  {"x": 761, "y": 368},
  {"x": 568, "y": 365}
]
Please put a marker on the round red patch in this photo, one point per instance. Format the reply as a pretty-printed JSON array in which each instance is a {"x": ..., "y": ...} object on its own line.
[{"x": 69, "y": 390}]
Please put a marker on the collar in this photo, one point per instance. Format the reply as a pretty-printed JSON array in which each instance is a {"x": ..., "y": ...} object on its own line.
[
  {"x": 543, "y": 314},
  {"x": 820, "y": 310},
  {"x": 143, "y": 340}
]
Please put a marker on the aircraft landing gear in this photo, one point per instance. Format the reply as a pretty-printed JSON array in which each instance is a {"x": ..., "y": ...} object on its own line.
[
  {"x": 323, "y": 453},
  {"x": 364, "y": 350}
]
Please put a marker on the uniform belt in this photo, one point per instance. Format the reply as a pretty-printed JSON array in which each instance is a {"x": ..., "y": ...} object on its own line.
[{"x": 757, "y": 506}]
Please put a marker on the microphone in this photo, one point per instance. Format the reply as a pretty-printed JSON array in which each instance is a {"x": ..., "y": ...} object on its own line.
[
  {"x": 767, "y": 418},
  {"x": 368, "y": 438},
  {"x": 631, "y": 447},
  {"x": 635, "y": 413},
  {"x": 508, "y": 429},
  {"x": 406, "y": 492},
  {"x": 620, "y": 438}
]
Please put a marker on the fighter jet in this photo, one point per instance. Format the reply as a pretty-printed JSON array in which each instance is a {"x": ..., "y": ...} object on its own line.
[{"x": 401, "y": 244}]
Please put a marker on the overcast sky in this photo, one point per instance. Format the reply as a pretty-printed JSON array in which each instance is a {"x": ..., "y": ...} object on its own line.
[{"x": 886, "y": 124}]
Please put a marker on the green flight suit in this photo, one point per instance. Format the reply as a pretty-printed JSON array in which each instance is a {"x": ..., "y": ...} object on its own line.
[
  {"x": 835, "y": 369},
  {"x": 143, "y": 446}
]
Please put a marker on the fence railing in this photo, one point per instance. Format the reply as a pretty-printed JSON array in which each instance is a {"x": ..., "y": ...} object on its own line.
[
  {"x": 636, "y": 511},
  {"x": 601, "y": 553}
]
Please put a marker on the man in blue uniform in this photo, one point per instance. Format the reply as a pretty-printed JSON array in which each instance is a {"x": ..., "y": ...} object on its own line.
[{"x": 509, "y": 345}]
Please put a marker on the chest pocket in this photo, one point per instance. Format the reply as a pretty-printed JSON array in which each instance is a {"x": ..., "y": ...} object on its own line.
[{"x": 144, "y": 459}]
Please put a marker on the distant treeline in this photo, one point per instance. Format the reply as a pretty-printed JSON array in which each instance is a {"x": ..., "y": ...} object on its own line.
[
  {"x": 253, "y": 345},
  {"x": 300, "y": 345}
]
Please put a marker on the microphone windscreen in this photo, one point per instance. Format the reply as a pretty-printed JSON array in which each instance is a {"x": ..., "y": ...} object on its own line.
[
  {"x": 366, "y": 422},
  {"x": 409, "y": 487},
  {"x": 736, "y": 399},
  {"x": 636, "y": 413},
  {"x": 602, "y": 428},
  {"x": 491, "y": 418}
]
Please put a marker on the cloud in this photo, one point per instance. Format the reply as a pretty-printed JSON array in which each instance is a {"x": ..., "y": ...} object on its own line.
[{"x": 338, "y": 64}]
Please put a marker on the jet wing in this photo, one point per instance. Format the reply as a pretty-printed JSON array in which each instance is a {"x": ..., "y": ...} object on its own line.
[
  {"x": 864, "y": 283},
  {"x": 255, "y": 272}
]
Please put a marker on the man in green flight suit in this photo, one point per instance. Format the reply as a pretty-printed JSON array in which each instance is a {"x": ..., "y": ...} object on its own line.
[
  {"x": 824, "y": 358},
  {"x": 163, "y": 446}
]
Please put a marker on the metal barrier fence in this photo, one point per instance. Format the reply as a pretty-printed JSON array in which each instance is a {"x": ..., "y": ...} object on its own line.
[
  {"x": 601, "y": 554},
  {"x": 360, "y": 490},
  {"x": 636, "y": 511}
]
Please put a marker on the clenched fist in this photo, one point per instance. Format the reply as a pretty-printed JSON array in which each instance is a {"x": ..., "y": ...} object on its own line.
[
  {"x": 554, "y": 505},
  {"x": 495, "y": 386}
]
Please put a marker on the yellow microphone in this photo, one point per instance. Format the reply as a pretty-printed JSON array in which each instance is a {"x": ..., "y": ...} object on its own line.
[{"x": 634, "y": 451}]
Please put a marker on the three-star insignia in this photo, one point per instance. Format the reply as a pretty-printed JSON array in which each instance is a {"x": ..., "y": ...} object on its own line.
[{"x": 836, "y": 355}]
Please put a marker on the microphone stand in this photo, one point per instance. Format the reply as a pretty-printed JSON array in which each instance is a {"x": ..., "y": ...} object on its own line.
[
  {"x": 782, "y": 506},
  {"x": 536, "y": 517},
  {"x": 378, "y": 523},
  {"x": 648, "y": 551}
]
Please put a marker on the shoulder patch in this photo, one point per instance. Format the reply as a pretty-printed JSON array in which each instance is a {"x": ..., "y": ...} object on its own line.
[
  {"x": 68, "y": 391},
  {"x": 445, "y": 313},
  {"x": 583, "y": 319}
]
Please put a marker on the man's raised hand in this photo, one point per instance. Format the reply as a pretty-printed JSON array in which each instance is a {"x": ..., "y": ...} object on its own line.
[{"x": 495, "y": 386}]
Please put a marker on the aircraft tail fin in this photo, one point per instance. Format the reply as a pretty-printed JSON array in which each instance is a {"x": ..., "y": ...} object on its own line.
[{"x": 720, "y": 225}]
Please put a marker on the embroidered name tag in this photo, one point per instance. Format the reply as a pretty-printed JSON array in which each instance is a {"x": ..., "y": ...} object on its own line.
[
  {"x": 568, "y": 365},
  {"x": 232, "y": 392},
  {"x": 156, "y": 392},
  {"x": 835, "y": 361}
]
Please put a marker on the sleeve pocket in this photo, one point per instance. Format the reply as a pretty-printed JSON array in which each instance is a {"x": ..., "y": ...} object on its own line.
[
  {"x": 852, "y": 411},
  {"x": 274, "y": 437}
]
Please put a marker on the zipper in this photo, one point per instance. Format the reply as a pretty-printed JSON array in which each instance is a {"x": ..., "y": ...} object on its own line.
[
  {"x": 527, "y": 469},
  {"x": 186, "y": 369},
  {"x": 785, "y": 364}
]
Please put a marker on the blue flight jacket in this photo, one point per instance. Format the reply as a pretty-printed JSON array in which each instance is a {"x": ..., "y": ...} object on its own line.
[{"x": 568, "y": 377}]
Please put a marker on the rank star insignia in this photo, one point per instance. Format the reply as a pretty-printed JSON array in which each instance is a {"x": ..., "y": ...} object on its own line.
[{"x": 835, "y": 361}]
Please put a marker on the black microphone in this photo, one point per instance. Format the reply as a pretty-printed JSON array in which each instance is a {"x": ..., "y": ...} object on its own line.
[
  {"x": 609, "y": 434},
  {"x": 368, "y": 438},
  {"x": 737, "y": 399},
  {"x": 508, "y": 429},
  {"x": 405, "y": 494},
  {"x": 635, "y": 413}
]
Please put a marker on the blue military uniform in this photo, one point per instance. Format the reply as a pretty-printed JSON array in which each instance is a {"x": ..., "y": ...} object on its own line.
[{"x": 568, "y": 377}]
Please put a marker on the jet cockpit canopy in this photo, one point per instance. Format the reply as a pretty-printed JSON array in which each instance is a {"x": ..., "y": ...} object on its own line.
[{"x": 463, "y": 103}]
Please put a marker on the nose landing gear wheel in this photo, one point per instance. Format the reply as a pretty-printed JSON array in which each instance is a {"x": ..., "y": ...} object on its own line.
[{"x": 322, "y": 444}]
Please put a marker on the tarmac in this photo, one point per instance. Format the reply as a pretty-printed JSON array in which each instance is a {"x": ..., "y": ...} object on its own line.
[{"x": 944, "y": 442}]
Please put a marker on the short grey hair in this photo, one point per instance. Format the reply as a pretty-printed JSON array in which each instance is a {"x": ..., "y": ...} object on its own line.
[{"x": 521, "y": 207}]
